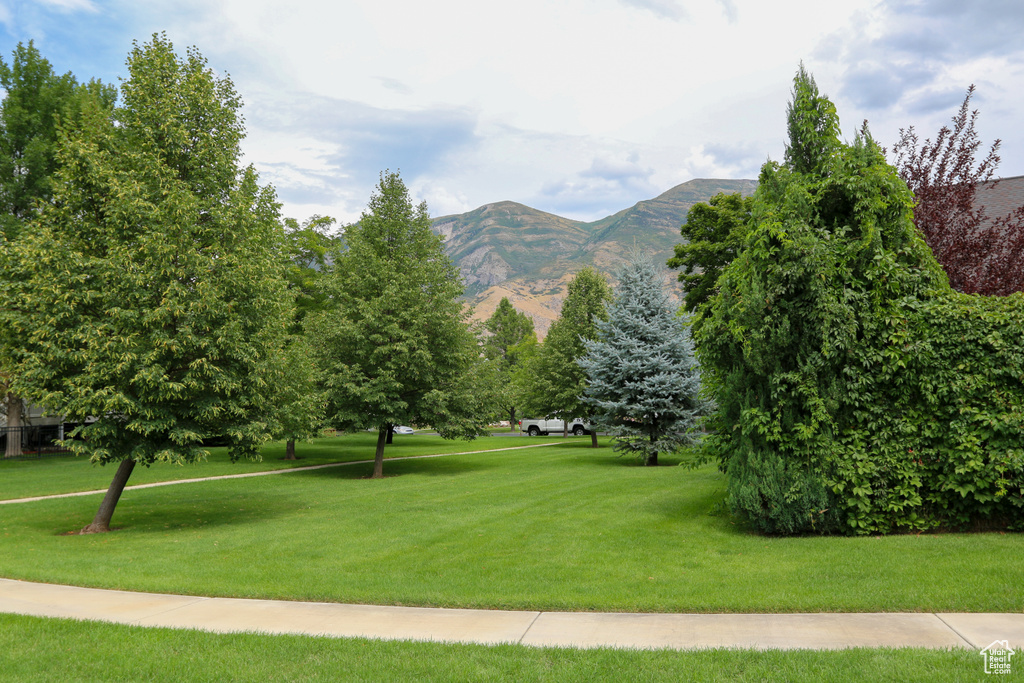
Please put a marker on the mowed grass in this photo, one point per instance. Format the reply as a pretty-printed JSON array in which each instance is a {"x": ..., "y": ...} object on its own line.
[
  {"x": 562, "y": 527},
  {"x": 35, "y": 649},
  {"x": 20, "y": 478}
]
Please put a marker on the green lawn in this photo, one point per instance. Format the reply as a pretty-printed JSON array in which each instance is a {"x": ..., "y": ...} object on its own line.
[
  {"x": 562, "y": 527},
  {"x": 66, "y": 473},
  {"x": 33, "y": 649}
]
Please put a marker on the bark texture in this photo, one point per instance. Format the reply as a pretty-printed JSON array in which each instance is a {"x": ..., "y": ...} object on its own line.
[
  {"x": 14, "y": 418},
  {"x": 101, "y": 523}
]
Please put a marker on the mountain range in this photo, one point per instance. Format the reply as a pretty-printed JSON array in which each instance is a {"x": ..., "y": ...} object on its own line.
[{"x": 510, "y": 250}]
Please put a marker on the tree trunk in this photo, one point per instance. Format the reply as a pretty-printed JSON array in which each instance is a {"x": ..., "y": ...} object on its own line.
[
  {"x": 101, "y": 523},
  {"x": 289, "y": 449},
  {"x": 512, "y": 419},
  {"x": 565, "y": 429},
  {"x": 14, "y": 416},
  {"x": 391, "y": 433},
  {"x": 653, "y": 460},
  {"x": 378, "y": 457},
  {"x": 593, "y": 438}
]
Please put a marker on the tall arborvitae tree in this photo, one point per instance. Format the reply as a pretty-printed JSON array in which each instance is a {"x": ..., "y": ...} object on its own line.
[
  {"x": 809, "y": 327},
  {"x": 981, "y": 253},
  {"x": 36, "y": 102},
  {"x": 149, "y": 295},
  {"x": 643, "y": 379},
  {"x": 397, "y": 348},
  {"x": 553, "y": 382}
]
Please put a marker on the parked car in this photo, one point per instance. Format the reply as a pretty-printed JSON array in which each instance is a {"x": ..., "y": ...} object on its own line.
[
  {"x": 577, "y": 426},
  {"x": 403, "y": 430}
]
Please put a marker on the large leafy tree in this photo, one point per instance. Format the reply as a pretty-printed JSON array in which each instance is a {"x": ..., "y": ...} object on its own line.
[
  {"x": 714, "y": 233},
  {"x": 35, "y": 103},
  {"x": 511, "y": 340},
  {"x": 981, "y": 253},
  {"x": 643, "y": 379},
  {"x": 553, "y": 382},
  {"x": 397, "y": 348},
  {"x": 149, "y": 293}
]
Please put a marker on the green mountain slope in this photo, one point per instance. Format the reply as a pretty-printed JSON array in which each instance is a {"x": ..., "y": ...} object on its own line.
[{"x": 508, "y": 249}]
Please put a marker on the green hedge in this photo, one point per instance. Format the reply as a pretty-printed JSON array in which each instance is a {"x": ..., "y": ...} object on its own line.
[{"x": 944, "y": 447}]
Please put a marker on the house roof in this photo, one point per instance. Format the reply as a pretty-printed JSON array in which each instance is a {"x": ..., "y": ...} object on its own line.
[{"x": 1001, "y": 196}]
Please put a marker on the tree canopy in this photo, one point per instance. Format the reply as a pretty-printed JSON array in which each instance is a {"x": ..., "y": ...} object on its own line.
[
  {"x": 36, "y": 103},
  {"x": 714, "y": 233},
  {"x": 148, "y": 293},
  {"x": 981, "y": 253},
  {"x": 510, "y": 343},
  {"x": 396, "y": 349}
]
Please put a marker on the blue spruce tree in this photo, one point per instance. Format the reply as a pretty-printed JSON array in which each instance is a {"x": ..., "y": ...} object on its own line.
[{"x": 643, "y": 377}]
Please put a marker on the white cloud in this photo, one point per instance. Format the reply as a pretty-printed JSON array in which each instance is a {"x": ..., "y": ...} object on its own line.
[
  {"x": 580, "y": 106},
  {"x": 71, "y": 5}
]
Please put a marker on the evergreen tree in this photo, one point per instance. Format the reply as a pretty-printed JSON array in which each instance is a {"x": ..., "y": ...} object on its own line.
[
  {"x": 397, "y": 348},
  {"x": 147, "y": 294},
  {"x": 808, "y": 321},
  {"x": 642, "y": 376}
]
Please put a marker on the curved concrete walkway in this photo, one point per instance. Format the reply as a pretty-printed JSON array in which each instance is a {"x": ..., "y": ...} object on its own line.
[{"x": 545, "y": 629}]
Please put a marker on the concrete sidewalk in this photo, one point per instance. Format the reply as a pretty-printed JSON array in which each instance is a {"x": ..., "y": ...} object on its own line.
[{"x": 556, "y": 629}]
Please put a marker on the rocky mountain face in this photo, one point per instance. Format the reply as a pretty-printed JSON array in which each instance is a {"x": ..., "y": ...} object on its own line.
[{"x": 508, "y": 249}]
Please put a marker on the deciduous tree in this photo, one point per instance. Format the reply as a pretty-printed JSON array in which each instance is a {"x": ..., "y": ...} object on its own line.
[
  {"x": 643, "y": 379},
  {"x": 552, "y": 381},
  {"x": 511, "y": 333},
  {"x": 36, "y": 101},
  {"x": 149, "y": 293},
  {"x": 397, "y": 348},
  {"x": 714, "y": 233},
  {"x": 981, "y": 253},
  {"x": 310, "y": 248}
]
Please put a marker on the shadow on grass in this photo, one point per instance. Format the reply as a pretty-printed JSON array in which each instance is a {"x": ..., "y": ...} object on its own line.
[
  {"x": 198, "y": 511},
  {"x": 442, "y": 465},
  {"x": 606, "y": 457},
  {"x": 707, "y": 503}
]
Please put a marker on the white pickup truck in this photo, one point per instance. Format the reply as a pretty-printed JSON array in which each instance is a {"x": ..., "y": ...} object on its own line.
[{"x": 535, "y": 427}]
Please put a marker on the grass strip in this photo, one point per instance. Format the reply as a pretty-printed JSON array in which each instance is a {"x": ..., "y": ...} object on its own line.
[{"x": 40, "y": 649}]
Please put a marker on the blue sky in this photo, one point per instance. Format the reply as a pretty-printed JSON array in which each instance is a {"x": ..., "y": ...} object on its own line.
[{"x": 580, "y": 108}]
